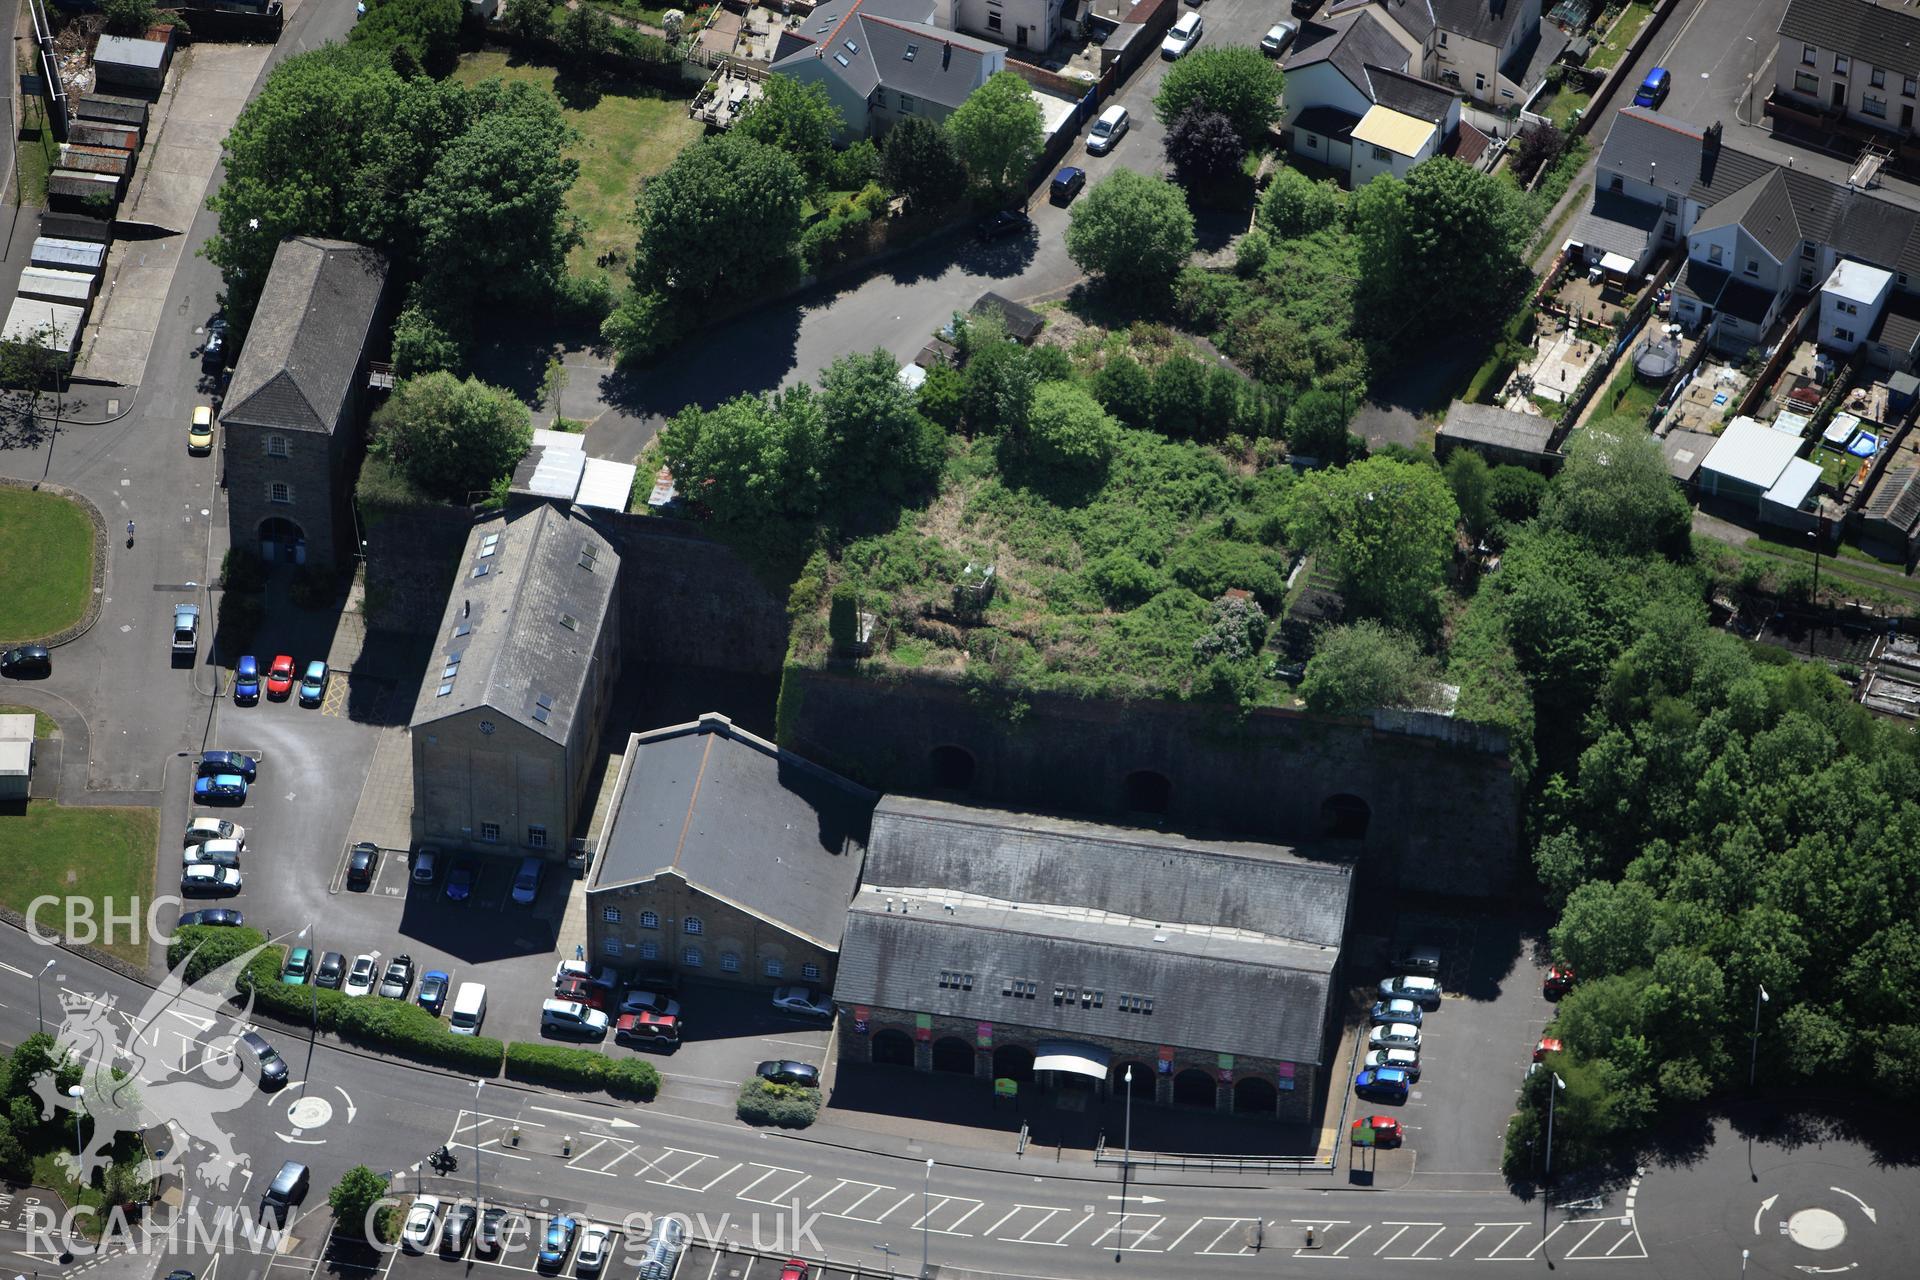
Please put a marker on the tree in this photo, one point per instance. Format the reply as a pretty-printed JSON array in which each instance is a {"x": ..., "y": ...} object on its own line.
[
  {"x": 754, "y": 459},
  {"x": 1000, "y": 380},
  {"x": 1125, "y": 390},
  {"x": 422, "y": 342},
  {"x": 1202, "y": 145},
  {"x": 722, "y": 218},
  {"x": 872, "y": 435},
  {"x": 1386, "y": 528},
  {"x": 1358, "y": 666},
  {"x": 1605, "y": 928},
  {"x": 127, "y": 17},
  {"x": 451, "y": 438},
  {"x": 998, "y": 132},
  {"x": 797, "y": 118},
  {"x": 529, "y": 19},
  {"x": 1067, "y": 433},
  {"x": 429, "y": 31},
  {"x": 1317, "y": 428},
  {"x": 1614, "y": 491},
  {"x": 1472, "y": 485},
  {"x": 1131, "y": 230},
  {"x": 1439, "y": 250},
  {"x": 1179, "y": 391},
  {"x": 353, "y": 1198},
  {"x": 1517, "y": 493},
  {"x": 1538, "y": 146},
  {"x": 919, "y": 160},
  {"x": 1238, "y": 81},
  {"x": 585, "y": 36},
  {"x": 1296, "y": 205}
]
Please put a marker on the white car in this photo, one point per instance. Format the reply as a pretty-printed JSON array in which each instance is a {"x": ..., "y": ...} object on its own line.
[
  {"x": 364, "y": 972},
  {"x": 201, "y": 829},
  {"x": 423, "y": 1215},
  {"x": 1184, "y": 35},
  {"x": 207, "y": 880},
  {"x": 221, "y": 853},
  {"x": 578, "y": 969},
  {"x": 1278, "y": 37},
  {"x": 805, "y": 1000},
  {"x": 650, "y": 1002},
  {"x": 596, "y": 1240},
  {"x": 1399, "y": 1059},
  {"x": 1395, "y": 1035},
  {"x": 571, "y": 1018}
]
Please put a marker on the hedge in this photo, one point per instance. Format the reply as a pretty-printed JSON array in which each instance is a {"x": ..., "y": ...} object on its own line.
[
  {"x": 633, "y": 1078},
  {"x": 557, "y": 1064},
  {"x": 785, "y": 1105}
]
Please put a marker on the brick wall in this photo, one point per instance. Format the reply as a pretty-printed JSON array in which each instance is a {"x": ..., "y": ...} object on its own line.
[
  {"x": 308, "y": 463},
  {"x": 724, "y": 930}
]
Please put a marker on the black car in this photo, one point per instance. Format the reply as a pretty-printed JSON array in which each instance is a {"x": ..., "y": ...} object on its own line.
[
  {"x": 215, "y": 763},
  {"x": 1007, "y": 222},
  {"x": 458, "y": 1228},
  {"x": 493, "y": 1223},
  {"x": 789, "y": 1072},
  {"x": 213, "y": 352},
  {"x": 330, "y": 971},
  {"x": 273, "y": 1067},
  {"x": 213, "y": 916},
  {"x": 29, "y": 661},
  {"x": 1066, "y": 184},
  {"x": 399, "y": 978},
  {"x": 362, "y": 862}
]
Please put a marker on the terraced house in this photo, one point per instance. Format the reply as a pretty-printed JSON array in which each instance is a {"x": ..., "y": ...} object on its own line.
[{"x": 1851, "y": 60}]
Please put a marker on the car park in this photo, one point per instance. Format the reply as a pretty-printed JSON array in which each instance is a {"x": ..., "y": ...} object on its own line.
[
  {"x": 186, "y": 630},
  {"x": 1400, "y": 1059},
  {"x": 221, "y": 853},
  {"x": 526, "y": 881},
  {"x": 331, "y": 971},
  {"x": 1066, "y": 184},
  {"x": 204, "y": 829},
  {"x": 459, "y": 882},
  {"x": 571, "y": 1019},
  {"x": 457, "y": 1229},
  {"x": 214, "y": 763},
  {"x": 1377, "y": 1131},
  {"x": 399, "y": 978},
  {"x": 1279, "y": 36},
  {"x": 200, "y": 431},
  {"x": 203, "y": 879},
  {"x": 803, "y": 1000},
  {"x": 580, "y": 991},
  {"x": 638, "y": 1001},
  {"x": 556, "y": 1242},
  {"x": 1558, "y": 982},
  {"x": 246, "y": 681},
  {"x": 433, "y": 991},
  {"x": 224, "y": 788},
  {"x": 280, "y": 676},
  {"x": 266, "y": 1059},
  {"x": 787, "y": 1071},
  {"x": 1109, "y": 128},
  {"x": 1423, "y": 991},
  {"x": 416, "y": 1234},
  {"x": 298, "y": 967},
  {"x": 1397, "y": 1035},
  {"x": 596, "y": 1241},
  {"x": 362, "y": 861},
  {"x": 313, "y": 685},
  {"x": 213, "y": 917},
  {"x": 26, "y": 661},
  {"x": 1384, "y": 1085},
  {"x": 1396, "y": 1011},
  {"x": 1003, "y": 223},
  {"x": 360, "y": 977},
  {"x": 647, "y": 1030},
  {"x": 1182, "y": 37}
]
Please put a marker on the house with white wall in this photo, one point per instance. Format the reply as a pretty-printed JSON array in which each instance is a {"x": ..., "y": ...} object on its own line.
[
  {"x": 1017, "y": 24},
  {"x": 1353, "y": 103},
  {"x": 1491, "y": 50},
  {"x": 883, "y": 60},
  {"x": 1852, "y": 58}
]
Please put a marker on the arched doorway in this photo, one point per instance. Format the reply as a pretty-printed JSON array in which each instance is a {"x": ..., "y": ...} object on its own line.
[
  {"x": 1142, "y": 1086},
  {"x": 953, "y": 1054},
  {"x": 282, "y": 540},
  {"x": 893, "y": 1048},
  {"x": 1148, "y": 792},
  {"x": 952, "y": 768},
  {"x": 1193, "y": 1088},
  {"x": 1013, "y": 1062},
  {"x": 1345, "y": 817},
  {"x": 1254, "y": 1095}
]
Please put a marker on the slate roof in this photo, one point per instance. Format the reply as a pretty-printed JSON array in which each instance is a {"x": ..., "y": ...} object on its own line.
[
  {"x": 866, "y": 43},
  {"x": 741, "y": 819},
  {"x": 1745, "y": 300},
  {"x": 1491, "y": 425},
  {"x": 1896, "y": 499},
  {"x": 1882, "y": 35},
  {"x": 1701, "y": 281},
  {"x": 526, "y": 629},
  {"x": 1328, "y": 122},
  {"x": 1764, "y": 208},
  {"x": 1409, "y": 95},
  {"x": 1415, "y": 17},
  {"x": 1352, "y": 42},
  {"x": 1855, "y": 223},
  {"x": 1899, "y": 323},
  {"x": 1685, "y": 451},
  {"x": 303, "y": 350},
  {"x": 1488, "y": 21},
  {"x": 1653, "y": 148},
  {"x": 1616, "y": 223}
]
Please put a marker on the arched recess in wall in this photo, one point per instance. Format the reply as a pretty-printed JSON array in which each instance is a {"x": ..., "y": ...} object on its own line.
[
  {"x": 893, "y": 1048},
  {"x": 1142, "y": 1086},
  {"x": 1345, "y": 817},
  {"x": 1254, "y": 1095},
  {"x": 951, "y": 768},
  {"x": 1012, "y": 1062},
  {"x": 1148, "y": 792},
  {"x": 1193, "y": 1088},
  {"x": 953, "y": 1054}
]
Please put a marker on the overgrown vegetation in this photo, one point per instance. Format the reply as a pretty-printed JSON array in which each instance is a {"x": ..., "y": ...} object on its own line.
[{"x": 785, "y": 1106}]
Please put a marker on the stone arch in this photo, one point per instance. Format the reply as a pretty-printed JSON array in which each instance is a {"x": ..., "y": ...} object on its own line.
[
  {"x": 1194, "y": 1088},
  {"x": 1012, "y": 1062},
  {"x": 1345, "y": 817},
  {"x": 282, "y": 539},
  {"x": 1148, "y": 791},
  {"x": 1255, "y": 1095},
  {"x": 951, "y": 1053},
  {"x": 1142, "y": 1086},
  {"x": 893, "y": 1047},
  {"x": 951, "y": 767}
]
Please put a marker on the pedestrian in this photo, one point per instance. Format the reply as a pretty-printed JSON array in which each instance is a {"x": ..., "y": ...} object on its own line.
[{"x": 129, "y": 531}]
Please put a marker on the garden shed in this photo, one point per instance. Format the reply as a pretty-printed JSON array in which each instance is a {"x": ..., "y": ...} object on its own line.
[{"x": 129, "y": 62}]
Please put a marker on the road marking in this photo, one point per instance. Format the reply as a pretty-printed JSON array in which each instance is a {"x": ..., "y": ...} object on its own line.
[
  {"x": 1543, "y": 1239},
  {"x": 1349, "y": 1242},
  {"x": 574, "y": 1163},
  {"x": 779, "y": 1199},
  {"x": 935, "y": 1211},
  {"x": 1213, "y": 1249},
  {"x": 571, "y": 1115},
  {"x": 1761, "y": 1212},
  {"x": 1031, "y": 1235},
  {"x": 1478, "y": 1227},
  {"x": 1630, "y": 1235},
  {"x": 1401, "y": 1228},
  {"x": 1864, "y": 1206},
  {"x": 1416, "y": 1255},
  {"x": 1493, "y": 1254},
  {"x": 1583, "y": 1239},
  {"x": 1125, "y": 1230},
  {"x": 872, "y": 1189}
]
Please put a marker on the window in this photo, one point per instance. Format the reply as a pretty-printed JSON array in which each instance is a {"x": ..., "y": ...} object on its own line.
[
  {"x": 1443, "y": 39},
  {"x": 1843, "y": 335},
  {"x": 1850, "y": 308},
  {"x": 1617, "y": 183},
  {"x": 1479, "y": 82},
  {"x": 906, "y": 104},
  {"x": 1807, "y": 55},
  {"x": 811, "y": 972},
  {"x": 649, "y": 919},
  {"x": 1025, "y": 988},
  {"x": 536, "y": 837},
  {"x": 1753, "y": 266},
  {"x": 610, "y": 914},
  {"x": 1874, "y": 105},
  {"x": 956, "y": 980},
  {"x": 1841, "y": 64},
  {"x": 1383, "y": 155},
  {"x": 1910, "y": 86},
  {"x": 490, "y": 832},
  {"x": 880, "y": 98},
  {"x": 1806, "y": 82},
  {"x": 692, "y": 924},
  {"x": 1713, "y": 254},
  {"x": 993, "y": 21},
  {"x": 730, "y": 961},
  {"x": 277, "y": 447},
  {"x": 1806, "y": 248},
  {"x": 649, "y": 951},
  {"x": 610, "y": 946},
  {"x": 279, "y": 492},
  {"x": 774, "y": 968},
  {"x": 1877, "y": 78},
  {"x": 1903, "y": 279},
  {"x": 1673, "y": 204},
  {"x": 1313, "y": 143},
  {"x": 691, "y": 957}
]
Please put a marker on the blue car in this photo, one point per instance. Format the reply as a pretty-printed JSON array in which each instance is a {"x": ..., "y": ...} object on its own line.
[
  {"x": 220, "y": 788},
  {"x": 557, "y": 1243},
  {"x": 1653, "y": 90},
  {"x": 1383, "y": 1084},
  {"x": 313, "y": 685},
  {"x": 460, "y": 883},
  {"x": 213, "y": 763},
  {"x": 433, "y": 991},
  {"x": 246, "y": 681},
  {"x": 1067, "y": 184}
]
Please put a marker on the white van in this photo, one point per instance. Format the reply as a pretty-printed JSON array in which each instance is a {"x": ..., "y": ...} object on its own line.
[
  {"x": 469, "y": 1009},
  {"x": 1107, "y": 130}
]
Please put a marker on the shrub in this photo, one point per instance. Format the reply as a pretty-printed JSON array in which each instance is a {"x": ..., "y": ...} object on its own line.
[
  {"x": 1210, "y": 568},
  {"x": 633, "y": 1078},
  {"x": 557, "y": 1064},
  {"x": 843, "y": 618},
  {"x": 1296, "y": 205},
  {"x": 783, "y": 1105},
  {"x": 1123, "y": 581},
  {"x": 643, "y": 325},
  {"x": 1251, "y": 254}
]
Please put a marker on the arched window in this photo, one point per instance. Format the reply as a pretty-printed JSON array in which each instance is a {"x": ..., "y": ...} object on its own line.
[
  {"x": 730, "y": 961},
  {"x": 649, "y": 920},
  {"x": 691, "y": 957},
  {"x": 692, "y": 924}
]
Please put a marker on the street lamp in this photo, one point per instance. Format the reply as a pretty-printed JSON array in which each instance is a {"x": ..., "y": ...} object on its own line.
[
  {"x": 1753, "y": 1058},
  {"x": 1126, "y": 1164},
  {"x": 1743, "y": 1262},
  {"x": 1558, "y": 1085},
  {"x": 1814, "y": 533},
  {"x": 77, "y": 1094},
  {"x": 926, "y": 1221},
  {"x": 478, "y": 1084},
  {"x": 888, "y": 1250},
  {"x": 39, "y": 1000}
]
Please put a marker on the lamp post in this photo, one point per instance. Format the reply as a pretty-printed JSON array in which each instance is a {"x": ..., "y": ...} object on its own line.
[
  {"x": 1743, "y": 1262},
  {"x": 926, "y": 1221},
  {"x": 478, "y": 1084},
  {"x": 1814, "y": 533},
  {"x": 78, "y": 1095},
  {"x": 1558, "y": 1085},
  {"x": 1753, "y": 1057},
  {"x": 39, "y": 999},
  {"x": 1126, "y": 1164},
  {"x": 889, "y": 1251},
  {"x": 313, "y": 973}
]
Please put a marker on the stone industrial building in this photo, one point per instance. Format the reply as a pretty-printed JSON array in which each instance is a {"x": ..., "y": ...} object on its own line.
[
  {"x": 1015, "y": 946},
  {"x": 295, "y": 407},
  {"x": 506, "y": 729},
  {"x": 723, "y": 857}
]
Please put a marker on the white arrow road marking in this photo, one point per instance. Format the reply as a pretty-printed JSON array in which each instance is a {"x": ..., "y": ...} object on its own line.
[
  {"x": 305, "y": 1142},
  {"x": 1761, "y": 1212},
  {"x": 192, "y": 1020},
  {"x": 1864, "y": 1206},
  {"x": 1825, "y": 1271},
  {"x": 571, "y": 1115},
  {"x": 352, "y": 1110},
  {"x": 1139, "y": 1199}
]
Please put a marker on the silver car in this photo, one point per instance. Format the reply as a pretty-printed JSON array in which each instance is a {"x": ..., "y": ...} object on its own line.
[{"x": 1395, "y": 1035}]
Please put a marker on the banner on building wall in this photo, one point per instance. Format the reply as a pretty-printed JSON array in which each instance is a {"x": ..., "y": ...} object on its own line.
[
  {"x": 1165, "y": 1064},
  {"x": 861, "y": 1016},
  {"x": 923, "y": 1026},
  {"x": 983, "y": 1034},
  {"x": 1283, "y": 1076}
]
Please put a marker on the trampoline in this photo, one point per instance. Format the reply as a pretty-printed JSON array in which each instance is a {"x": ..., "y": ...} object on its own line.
[{"x": 1657, "y": 359}]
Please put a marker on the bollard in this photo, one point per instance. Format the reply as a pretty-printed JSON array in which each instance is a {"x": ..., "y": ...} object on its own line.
[
  {"x": 516, "y": 1135},
  {"x": 566, "y": 1146},
  {"x": 1310, "y": 1238}
]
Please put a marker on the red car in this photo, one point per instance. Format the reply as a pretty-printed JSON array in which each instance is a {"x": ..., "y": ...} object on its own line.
[
  {"x": 1376, "y": 1131},
  {"x": 1546, "y": 1046},
  {"x": 280, "y": 676},
  {"x": 1558, "y": 982},
  {"x": 794, "y": 1270},
  {"x": 590, "y": 994}
]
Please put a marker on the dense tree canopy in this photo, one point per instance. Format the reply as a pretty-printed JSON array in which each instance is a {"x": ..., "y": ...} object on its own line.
[
  {"x": 429, "y": 31},
  {"x": 797, "y": 118},
  {"x": 1386, "y": 528},
  {"x": 1203, "y": 146},
  {"x": 723, "y": 218},
  {"x": 1441, "y": 249},
  {"x": 1067, "y": 433},
  {"x": 998, "y": 132},
  {"x": 919, "y": 159},
  {"x": 452, "y": 438},
  {"x": 1614, "y": 491},
  {"x": 1131, "y": 230},
  {"x": 1361, "y": 665},
  {"x": 1238, "y": 81}
]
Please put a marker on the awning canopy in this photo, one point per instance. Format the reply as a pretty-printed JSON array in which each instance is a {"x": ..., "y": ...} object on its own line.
[
  {"x": 1618, "y": 263},
  {"x": 1072, "y": 1055}
]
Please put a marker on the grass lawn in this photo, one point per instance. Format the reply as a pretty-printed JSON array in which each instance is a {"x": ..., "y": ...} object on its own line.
[
  {"x": 1630, "y": 396},
  {"x": 1621, "y": 34},
  {"x": 1561, "y": 105},
  {"x": 628, "y": 134},
  {"x": 1836, "y": 466},
  {"x": 97, "y": 852},
  {"x": 46, "y": 563},
  {"x": 43, "y": 725}
]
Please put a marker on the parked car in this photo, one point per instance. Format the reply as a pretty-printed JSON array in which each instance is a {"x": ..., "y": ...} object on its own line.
[
  {"x": 225, "y": 788},
  {"x": 360, "y": 977},
  {"x": 266, "y": 1060},
  {"x": 1558, "y": 982},
  {"x": 639, "y": 1001},
  {"x": 362, "y": 861},
  {"x": 458, "y": 1228},
  {"x": 1547, "y": 1045},
  {"x": 459, "y": 882},
  {"x": 1377, "y": 1131},
  {"x": 1383, "y": 1085},
  {"x": 1182, "y": 37},
  {"x": 1419, "y": 958},
  {"x": 1397, "y": 1035},
  {"x": 416, "y": 1234},
  {"x": 313, "y": 685},
  {"x": 201, "y": 830},
  {"x": 203, "y": 879},
  {"x": 1066, "y": 184},
  {"x": 603, "y": 976},
  {"x": 786, "y": 1071},
  {"x": 1304, "y": 8},
  {"x": 580, "y": 991},
  {"x": 331, "y": 971},
  {"x": 1400, "y": 1059},
  {"x": 246, "y": 681},
  {"x": 186, "y": 630},
  {"x": 1396, "y": 1011},
  {"x": 596, "y": 1240},
  {"x": 1653, "y": 90},
  {"x": 280, "y": 676},
  {"x": 433, "y": 991},
  {"x": 426, "y": 866},
  {"x": 213, "y": 352},
  {"x": 221, "y": 853},
  {"x": 493, "y": 1222},
  {"x": 218, "y": 762},
  {"x": 795, "y": 1269},
  {"x": 557, "y": 1242},
  {"x": 526, "y": 881},
  {"x": 805, "y": 1000},
  {"x": 200, "y": 431},
  {"x": 573, "y": 1019},
  {"x": 1424, "y": 992},
  {"x": 1004, "y": 223},
  {"x": 647, "y": 1030},
  {"x": 1278, "y": 37},
  {"x": 212, "y": 917},
  {"x": 27, "y": 661},
  {"x": 1109, "y": 128},
  {"x": 399, "y": 978}
]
